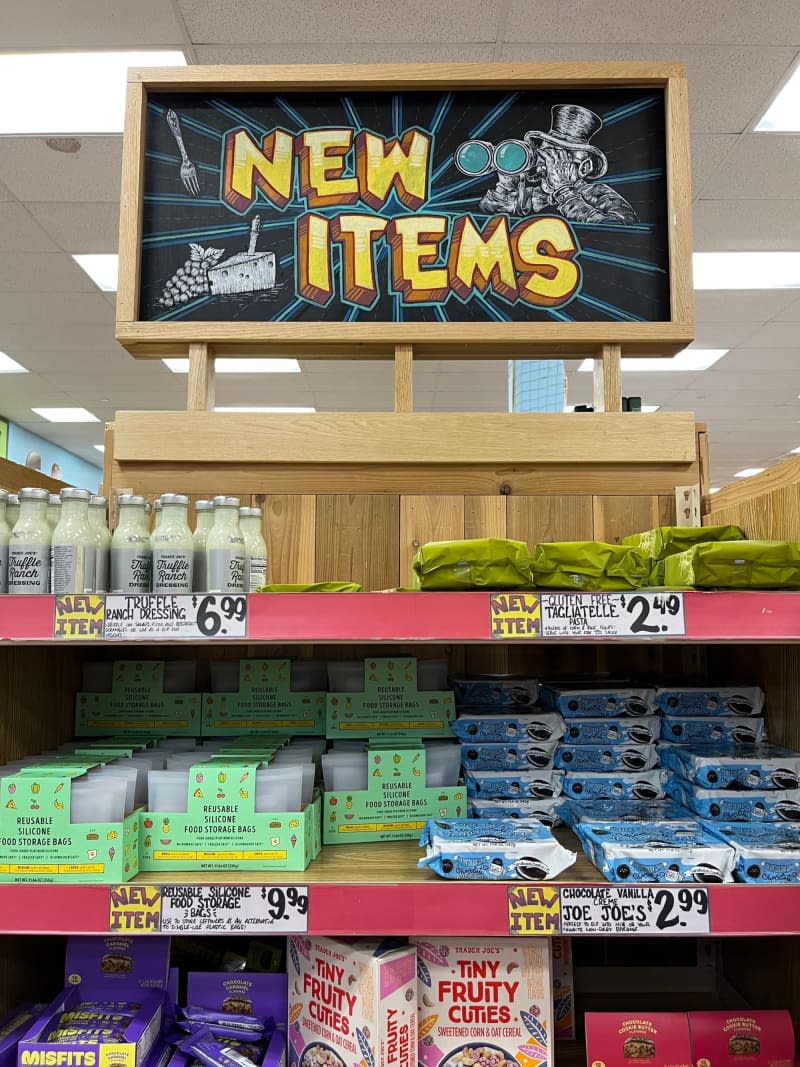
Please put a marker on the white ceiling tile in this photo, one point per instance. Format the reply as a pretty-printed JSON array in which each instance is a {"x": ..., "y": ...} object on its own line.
[
  {"x": 746, "y": 305},
  {"x": 32, "y": 171},
  {"x": 778, "y": 335},
  {"x": 708, "y": 152},
  {"x": 49, "y": 272},
  {"x": 270, "y": 53},
  {"x": 745, "y": 225},
  {"x": 727, "y": 84},
  {"x": 44, "y": 25},
  {"x": 63, "y": 308},
  {"x": 79, "y": 227},
  {"x": 760, "y": 166},
  {"x": 791, "y": 313},
  {"x": 722, "y": 334},
  {"x": 711, "y": 22},
  {"x": 348, "y": 20},
  {"x": 19, "y": 232},
  {"x": 47, "y": 336}
]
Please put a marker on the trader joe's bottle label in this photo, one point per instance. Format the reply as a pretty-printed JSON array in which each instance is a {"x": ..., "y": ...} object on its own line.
[
  {"x": 29, "y": 569},
  {"x": 130, "y": 570},
  {"x": 226, "y": 567},
  {"x": 172, "y": 570}
]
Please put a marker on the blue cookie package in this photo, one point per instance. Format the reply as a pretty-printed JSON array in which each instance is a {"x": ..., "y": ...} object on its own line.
[
  {"x": 548, "y": 811},
  {"x": 728, "y": 729},
  {"x": 606, "y": 757},
  {"x": 498, "y": 757},
  {"x": 765, "y": 853},
  {"x": 656, "y": 851},
  {"x": 623, "y": 811},
  {"x": 598, "y": 702},
  {"x": 641, "y": 731},
  {"x": 721, "y": 766},
  {"x": 741, "y": 701},
  {"x": 491, "y": 725},
  {"x": 495, "y": 690},
  {"x": 589, "y": 786},
  {"x": 513, "y": 785},
  {"x": 493, "y": 849},
  {"x": 737, "y": 805}
]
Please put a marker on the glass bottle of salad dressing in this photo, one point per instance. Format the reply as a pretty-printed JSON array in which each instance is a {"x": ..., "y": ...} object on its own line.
[
  {"x": 255, "y": 549},
  {"x": 73, "y": 545},
  {"x": 173, "y": 547},
  {"x": 225, "y": 550},
  {"x": 131, "y": 556}
]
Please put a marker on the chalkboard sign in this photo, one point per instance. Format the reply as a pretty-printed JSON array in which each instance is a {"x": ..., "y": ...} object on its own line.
[{"x": 523, "y": 204}]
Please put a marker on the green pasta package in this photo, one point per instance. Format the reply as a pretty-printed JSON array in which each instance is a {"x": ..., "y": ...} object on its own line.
[
  {"x": 588, "y": 566},
  {"x": 736, "y": 565},
  {"x": 667, "y": 541},
  {"x": 483, "y": 563}
]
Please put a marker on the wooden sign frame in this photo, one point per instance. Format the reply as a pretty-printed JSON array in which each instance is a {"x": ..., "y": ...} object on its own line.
[{"x": 425, "y": 340}]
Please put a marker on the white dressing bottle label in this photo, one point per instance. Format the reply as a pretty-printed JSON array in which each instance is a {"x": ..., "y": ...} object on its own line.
[
  {"x": 172, "y": 570},
  {"x": 29, "y": 569},
  {"x": 101, "y": 566},
  {"x": 226, "y": 568},
  {"x": 131, "y": 570},
  {"x": 3, "y": 569},
  {"x": 256, "y": 573},
  {"x": 70, "y": 568},
  {"x": 200, "y": 577},
  {"x": 89, "y": 565}
]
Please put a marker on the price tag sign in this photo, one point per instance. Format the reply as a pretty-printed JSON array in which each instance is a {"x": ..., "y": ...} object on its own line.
[
  {"x": 135, "y": 909},
  {"x": 242, "y": 909},
  {"x": 186, "y": 617},
  {"x": 636, "y": 614},
  {"x": 533, "y": 911},
  {"x": 634, "y": 910},
  {"x": 514, "y": 615},
  {"x": 79, "y": 617}
]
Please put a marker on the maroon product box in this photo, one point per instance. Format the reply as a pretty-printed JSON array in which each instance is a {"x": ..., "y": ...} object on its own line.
[
  {"x": 742, "y": 1038},
  {"x": 659, "y": 1039}
]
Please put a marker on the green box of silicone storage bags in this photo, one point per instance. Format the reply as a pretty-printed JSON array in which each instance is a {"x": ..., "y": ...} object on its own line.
[
  {"x": 736, "y": 565},
  {"x": 667, "y": 541},
  {"x": 482, "y": 563},
  {"x": 588, "y": 566}
]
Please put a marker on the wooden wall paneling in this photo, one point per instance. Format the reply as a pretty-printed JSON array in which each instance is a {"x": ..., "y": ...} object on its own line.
[
  {"x": 766, "y": 971},
  {"x": 549, "y": 518},
  {"x": 423, "y": 519},
  {"x": 667, "y": 511},
  {"x": 358, "y": 539},
  {"x": 290, "y": 530},
  {"x": 37, "y": 698},
  {"x": 16, "y": 476},
  {"x": 616, "y": 517},
  {"x": 485, "y": 516},
  {"x": 30, "y": 974}
]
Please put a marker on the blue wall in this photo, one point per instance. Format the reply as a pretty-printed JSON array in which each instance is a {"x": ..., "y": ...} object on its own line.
[{"x": 73, "y": 470}]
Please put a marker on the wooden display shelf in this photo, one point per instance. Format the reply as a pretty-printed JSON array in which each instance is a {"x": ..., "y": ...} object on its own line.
[
  {"x": 377, "y": 890},
  {"x": 438, "y": 618}
]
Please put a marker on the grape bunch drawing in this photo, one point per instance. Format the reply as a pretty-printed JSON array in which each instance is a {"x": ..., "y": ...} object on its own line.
[{"x": 191, "y": 280}]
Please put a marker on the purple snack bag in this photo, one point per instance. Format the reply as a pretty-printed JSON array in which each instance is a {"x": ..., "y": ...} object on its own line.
[
  {"x": 202, "y": 1046},
  {"x": 227, "y": 1024}
]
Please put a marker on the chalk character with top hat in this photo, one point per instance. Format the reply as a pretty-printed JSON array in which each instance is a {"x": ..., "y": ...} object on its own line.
[{"x": 558, "y": 169}]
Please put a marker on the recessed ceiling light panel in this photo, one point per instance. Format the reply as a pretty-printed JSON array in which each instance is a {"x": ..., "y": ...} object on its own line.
[
  {"x": 690, "y": 359},
  {"x": 10, "y": 366},
  {"x": 746, "y": 270},
  {"x": 228, "y": 365},
  {"x": 783, "y": 114},
  {"x": 749, "y": 472},
  {"x": 102, "y": 268},
  {"x": 65, "y": 414}
]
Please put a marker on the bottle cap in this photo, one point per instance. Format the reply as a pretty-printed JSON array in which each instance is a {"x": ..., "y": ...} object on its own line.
[
  {"x": 75, "y": 494},
  {"x": 250, "y": 513},
  {"x": 156, "y": 505},
  {"x": 54, "y": 499},
  {"x": 204, "y": 505},
  {"x": 226, "y": 501},
  {"x": 33, "y": 494},
  {"x": 131, "y": 500},
  {"x": 3, "y": 496},
  {"x": 174, "y": 498},
  {"x": 98, "y": 502},
  {"x": 13, "y": 498}
]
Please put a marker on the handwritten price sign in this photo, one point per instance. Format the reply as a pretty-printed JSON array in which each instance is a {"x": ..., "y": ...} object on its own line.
[
  {"x": 635, "y": 910},
  {"x": 188, "y": 617},
  {"x": 636, "y": 614}
]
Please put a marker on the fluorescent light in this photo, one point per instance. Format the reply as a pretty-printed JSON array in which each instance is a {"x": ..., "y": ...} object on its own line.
[
  {"x": 272, "y": 411},
  {"x": 783, "y": 114},
  {"x": 10, "y": 366},
  {"x": 225, "y": 365},
  {"x": 746, "y": 270},
  {"x": 70, "y": 92},
  {"x": 795, "y": 451},
  {"x": 714, "y": 489},
  {"x": 65, "y": 414},
  {"x": 690, "y": 359},
  {"x": 102, "y": 268},
  {"x": 100, "y": 448},
  {"x": 748, "y": 472}
]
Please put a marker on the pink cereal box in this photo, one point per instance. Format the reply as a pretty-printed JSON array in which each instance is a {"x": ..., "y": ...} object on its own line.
[
  {"x": 637, "y": 1039},
  {"x": 563, "y": 989},
  {"x": 742, "y": 1038},
  {"x": 352, "y": 1003},
  {"x": 484, "y": 1003}
]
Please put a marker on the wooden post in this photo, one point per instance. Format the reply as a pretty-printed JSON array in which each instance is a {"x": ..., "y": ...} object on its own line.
[
  {"x": 608, "y": 379},
  {"x": 403, "y": 378},
  {"x": 201, "y": 378}
]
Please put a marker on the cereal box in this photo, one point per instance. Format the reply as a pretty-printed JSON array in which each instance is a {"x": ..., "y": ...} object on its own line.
[
  {"x": 352, "y": 1004},
  {"x": 658, "y": 1039},
  {"x": 563, "y": 989},
  {"x": 727, "y": 1038},
  {"x": 484, "y": 1003}
]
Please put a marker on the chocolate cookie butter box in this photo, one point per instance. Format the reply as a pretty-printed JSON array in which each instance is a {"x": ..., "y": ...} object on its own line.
[
  {"x": 653, "y": 1039},
  {"x": 352, "y": 1003},
  {"x": 485, "y": 1003}
]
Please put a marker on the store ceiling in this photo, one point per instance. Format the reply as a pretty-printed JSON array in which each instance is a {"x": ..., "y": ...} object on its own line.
[{"x": 746, "y": 188}]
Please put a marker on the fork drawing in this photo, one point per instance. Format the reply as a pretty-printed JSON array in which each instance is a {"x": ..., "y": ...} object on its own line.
[{"x": 188, "y": 170}]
